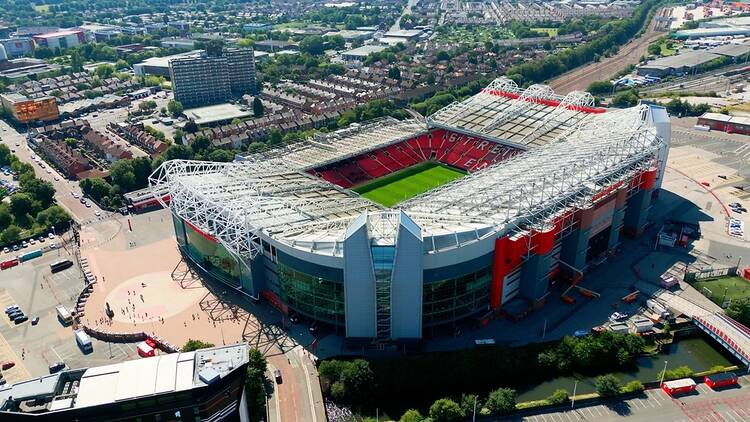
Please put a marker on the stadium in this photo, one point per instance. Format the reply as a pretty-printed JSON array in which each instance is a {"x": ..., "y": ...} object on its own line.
[{"x": 389, "y": 229}]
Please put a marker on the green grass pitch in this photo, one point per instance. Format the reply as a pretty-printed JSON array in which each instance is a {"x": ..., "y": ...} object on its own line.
[{"x": 397, "y": 187}]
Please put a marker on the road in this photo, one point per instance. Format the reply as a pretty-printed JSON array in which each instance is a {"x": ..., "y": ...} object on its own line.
[
  {"x": 63, "y": 188},
  {"x": 580, "y": 78},
  {"x": 728, "y": 405},
  {"x": 407, "y": 10}
]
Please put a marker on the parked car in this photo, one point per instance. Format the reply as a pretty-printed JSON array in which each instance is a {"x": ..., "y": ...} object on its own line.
[
  {"x": 35, "y": 320},
  {"x": 51, "y": 236},
  {"x": 7, "y": 365},
  {"x": 11, "y": 308},
  {"x": 6, "y": 249},
  {"x": 56, "y": 367},
  {"x": 618, "y": 316},
  {"x": 21, "y": 319},
  {"x": 277, "y": 376}
]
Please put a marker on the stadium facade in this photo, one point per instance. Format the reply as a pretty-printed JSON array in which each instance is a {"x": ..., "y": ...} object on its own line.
[{"x": 552, "y": 182}]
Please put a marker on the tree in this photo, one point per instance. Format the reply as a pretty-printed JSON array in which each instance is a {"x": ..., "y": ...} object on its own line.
[
  {"x": 274, "y": 137},
  {"x": 600, "y": 87},
  {"x": 625, "y": 99},
  {"x": 214, "y": 47},
  {"x": 255, "y": 384},
  {"x": 5, "y": 217},
  {"x": 20, "y": 205},
  {"x": 469, "y": 402},
  {"x": 257, "y": 107},
  {"x": 76, "y": 61},
  {"x": 445, "y": 410},
  {"x": 654, "y": 49},
  {"x": 53, "y": 216},
  {"x": 40, "y": 190},
  {"x": 443, "y": 55},
  {"x": 123, "y": 175},
  {"x": 191, "y": 127},
  {"x": 501, "y": 401},
  {"x": 178, "y": 152},
  {"x": 95, "y": 187},
  {"x": 411, "y": 415},
  {"x": 608, "y": 385},
  {"x": 104, "y": 71},
  {"x": 312, "y": 45},
  {"x": 740, "y": 310},
  {"x": 10, "y": 234},
  {"x": 394, "y": 73},
  {"x": 220, "y": 155},
  {"x": 192, "y": 345},
  {"x": 175, "y": 107},
  {"x": 200, "y": 144},
  {"x": 121, "y": 64},
  {"x": 141, "y": 170}
]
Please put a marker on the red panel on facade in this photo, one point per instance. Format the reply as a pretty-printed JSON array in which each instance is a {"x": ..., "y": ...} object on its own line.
[
  {"x": 499, "y": 270},
  {"x": 201, "y": 232},
  {"x": 543, "y": 241},
  {"x": 649, "y": 179}
]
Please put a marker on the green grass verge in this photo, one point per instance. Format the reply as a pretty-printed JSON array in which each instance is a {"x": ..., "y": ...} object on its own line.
[
  {"x": 736, "y": 288},
  {"x": 551, "y": 32},
  {"x": 396, "y": 187}
]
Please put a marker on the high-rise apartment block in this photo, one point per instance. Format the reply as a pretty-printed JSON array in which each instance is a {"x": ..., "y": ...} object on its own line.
[{"x": 205, "y": 80}]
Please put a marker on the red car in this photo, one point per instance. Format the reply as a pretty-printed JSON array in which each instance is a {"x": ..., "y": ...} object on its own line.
[{"x": 8, "y": 364}]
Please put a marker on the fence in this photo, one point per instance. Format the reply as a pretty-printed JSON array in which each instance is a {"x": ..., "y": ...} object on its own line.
[{"x": 709, "y": 273}]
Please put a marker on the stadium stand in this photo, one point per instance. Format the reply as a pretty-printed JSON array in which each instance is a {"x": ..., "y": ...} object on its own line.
[{"x": 464, "y": 152}]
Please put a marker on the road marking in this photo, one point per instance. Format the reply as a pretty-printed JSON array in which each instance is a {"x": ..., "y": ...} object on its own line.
[
  {"x": 731, "y": 417},
  {"x": 60, "y": 359}
]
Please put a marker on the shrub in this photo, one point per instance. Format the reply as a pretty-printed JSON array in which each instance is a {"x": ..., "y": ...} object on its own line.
[
  {"x": 677, "y": 373},
  {"x": 501, "y": 401},
  {"x": 608, "y": 385},
  {"x": 634, "y": 386},
  {"x": 560, "y": 396}
]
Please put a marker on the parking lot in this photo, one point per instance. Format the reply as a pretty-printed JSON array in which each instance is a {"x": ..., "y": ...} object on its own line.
[
  {"x": 732, "y": 405},
  {"x": 37, "y": 291}
]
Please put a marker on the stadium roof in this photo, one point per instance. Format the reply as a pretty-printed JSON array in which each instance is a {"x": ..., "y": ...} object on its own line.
[
  {"x": 578, "y": 151},
  {"x": 341, "y": 144},
  {"x": 514, "y": 116}
]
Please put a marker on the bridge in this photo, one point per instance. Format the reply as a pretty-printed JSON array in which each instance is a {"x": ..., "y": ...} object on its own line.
[{"x": 732, "y": 335}]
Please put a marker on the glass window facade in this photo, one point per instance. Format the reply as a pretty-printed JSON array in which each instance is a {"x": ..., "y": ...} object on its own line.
[
  {"x": 455, "y": 298},
  {"x": 212, "y": 256},
  {"x": 316, "y": 297}
]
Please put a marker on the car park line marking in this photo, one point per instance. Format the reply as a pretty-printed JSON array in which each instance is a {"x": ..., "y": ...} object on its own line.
[{"x": 729, "y": 414}]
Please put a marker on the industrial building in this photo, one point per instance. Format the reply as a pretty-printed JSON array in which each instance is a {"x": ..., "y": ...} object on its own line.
[
  {"x": 206, "y": 385},
  {"x": 691, "y": 61},
  {"x": 25, "y": 110},
  {"x": 159, "y": 66},
  {"x": 205, "y": 80},
  {"x": 60, "y": 39},
  {"x": 725, "y": 123},
  {"x": 17, "y": 47},
  {"x": 551, "y": 184}
]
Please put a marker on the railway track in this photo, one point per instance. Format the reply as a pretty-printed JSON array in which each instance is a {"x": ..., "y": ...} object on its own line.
[{"x": 579, "y": 79}]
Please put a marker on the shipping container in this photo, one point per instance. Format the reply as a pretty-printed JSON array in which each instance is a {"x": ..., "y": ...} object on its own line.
[
  {"x": 720, "y": 380},
  {"x": 30, "y": 255},
  {"x": 9, "y": 263},
  {"x": 681, "y": 386}
]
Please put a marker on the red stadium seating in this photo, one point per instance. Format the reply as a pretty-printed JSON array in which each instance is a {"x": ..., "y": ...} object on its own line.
[{"x": 454, "y": 149}]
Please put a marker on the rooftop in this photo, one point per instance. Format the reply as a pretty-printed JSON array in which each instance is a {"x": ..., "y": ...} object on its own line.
[
  {"x": 59, "y": 33},
  {"x": 164, "y": 61},
  {"x": 216, "y": 113},
  {"x": 365, "y": 50},
  {"x": 688, "y": 59},
  {"x": 126, "y": 380}
]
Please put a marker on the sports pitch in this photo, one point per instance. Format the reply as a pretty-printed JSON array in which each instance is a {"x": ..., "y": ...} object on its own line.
[{"x": 397, "y": 187}]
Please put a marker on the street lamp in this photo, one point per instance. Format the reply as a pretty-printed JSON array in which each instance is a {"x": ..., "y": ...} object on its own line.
[
  {"x": 664, "y": 372},
  {"x": 573, "y": 399}
]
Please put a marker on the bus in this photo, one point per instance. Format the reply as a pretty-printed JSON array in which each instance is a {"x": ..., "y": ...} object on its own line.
[
  {"x": 84, "y": 341},
  {"x": 64, "y": 315},
  {"x": 60, "y": 265}
]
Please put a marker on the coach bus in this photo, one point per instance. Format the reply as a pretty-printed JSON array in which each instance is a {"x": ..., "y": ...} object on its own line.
[{"x": 60, "y": 265}]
